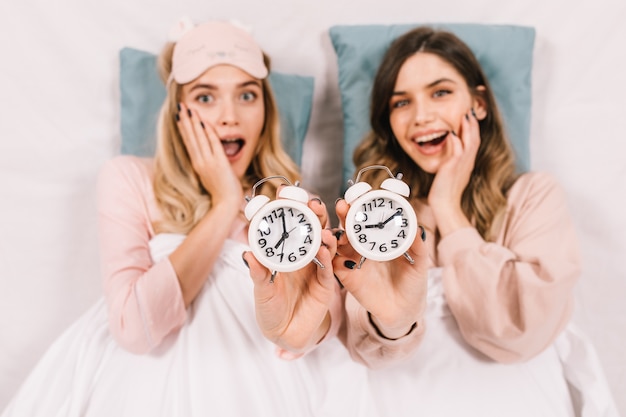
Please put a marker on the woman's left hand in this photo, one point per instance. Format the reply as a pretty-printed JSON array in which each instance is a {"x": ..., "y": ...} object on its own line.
[
  {"x": 454, "y": 175},
  {"x": 293, "y": 311},
  {"x": 393, "y": 292}
]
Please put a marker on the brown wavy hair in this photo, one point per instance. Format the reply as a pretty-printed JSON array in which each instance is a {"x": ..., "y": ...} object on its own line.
[
  {"x": 484, "y": 199},
  {"x": 179, "y": 193}
]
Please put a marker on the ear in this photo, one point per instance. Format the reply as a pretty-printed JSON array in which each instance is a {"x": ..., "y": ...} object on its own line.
[{"x": 479, "y": 104}]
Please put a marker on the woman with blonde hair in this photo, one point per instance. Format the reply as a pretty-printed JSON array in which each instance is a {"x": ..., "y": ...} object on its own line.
[{"x": 183, "y": 330}]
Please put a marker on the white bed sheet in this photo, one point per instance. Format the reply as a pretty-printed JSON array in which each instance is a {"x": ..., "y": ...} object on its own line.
[{"x": 59, "y": 120}]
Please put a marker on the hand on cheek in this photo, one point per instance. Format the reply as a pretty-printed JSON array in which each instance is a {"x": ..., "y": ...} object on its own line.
[
  {"x": 207, "y": 157},
  {"x": 454, "y": 176}
]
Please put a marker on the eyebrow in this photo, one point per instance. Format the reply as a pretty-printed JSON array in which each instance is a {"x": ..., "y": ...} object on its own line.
[
  {"x": 214, "y": 87},
  {"x": 433, "y": 84}
]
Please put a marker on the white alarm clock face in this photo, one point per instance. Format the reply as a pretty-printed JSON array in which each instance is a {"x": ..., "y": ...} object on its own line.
[
  {"x": 285, "y": 235},
  {"x": 381, "y": 225}
]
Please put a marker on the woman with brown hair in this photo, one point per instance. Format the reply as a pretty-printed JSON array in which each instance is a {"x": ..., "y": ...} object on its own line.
[{"x": 504, "y": 257}]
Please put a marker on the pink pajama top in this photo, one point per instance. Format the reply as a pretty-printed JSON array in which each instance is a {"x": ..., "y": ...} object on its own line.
[
  {"x": 144, "y": 298},
  {"x": 510, "y": 298}
]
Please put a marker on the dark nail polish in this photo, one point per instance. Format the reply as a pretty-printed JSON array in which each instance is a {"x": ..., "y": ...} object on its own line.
[
  {"x": 189, "y": 112},
  {"x": 177, "y": 117},
  {"x": 423, "y": 235},
  {"x": 466, "y": 117},
  {"x": 349, "y": 264},
  {"x": 317, "y": 199},
  {"x": 244, "y": 260},
  {"x": 474, "y": 113},
  {"x": 337, "y": 200},
  {"x": 178, "y": 106},
  {"x": 339, "y": 233},
  {"x": 202, "y": 124}
]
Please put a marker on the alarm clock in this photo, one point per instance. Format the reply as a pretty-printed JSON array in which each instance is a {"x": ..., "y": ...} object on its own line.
[
  {"x": 284, "y": 234},
  {"x": 381, "y": 224}
]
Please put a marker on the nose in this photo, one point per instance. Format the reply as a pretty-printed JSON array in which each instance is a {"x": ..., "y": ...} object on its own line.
[
  {"x": 423, "y": 113},
  {"x": 228, "y": 114}
]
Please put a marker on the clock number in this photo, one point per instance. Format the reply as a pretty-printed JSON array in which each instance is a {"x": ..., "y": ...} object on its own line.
[
  {"x": 382, "y": 247},
  {"x": 265, "y": 232},
  {"x": 308, "y": 240},
  {"x": 292, "y": 256},
  {"x": 357, "y": 228},
  {"x": 390, "y": 203},
  {"x": 302, "y": 219},
  {"x": 275, "y": 214},
  {"x": 262, "y": 242},
  {"x": 269, "y": 252},
  {"x": 405, "y": 222},
  {"x": 362, "y": 238},
  {"x": 377, "y": 202},
  {"x": 394, "y": 243},
  {"x": 402, "y": 234}
]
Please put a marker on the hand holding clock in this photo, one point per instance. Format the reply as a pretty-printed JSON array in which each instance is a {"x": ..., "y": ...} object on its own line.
[
  {"x": 293, "y": 309},
  {"x": 393, "y": 292}
]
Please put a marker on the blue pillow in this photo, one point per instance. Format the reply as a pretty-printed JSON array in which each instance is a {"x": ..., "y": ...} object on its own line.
[
  {"x": 504, "y": 51},
  {"x": 142, "y": 94}
]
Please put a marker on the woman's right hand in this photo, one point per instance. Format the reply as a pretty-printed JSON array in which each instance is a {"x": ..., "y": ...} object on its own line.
[
  {"x": 393, "y": 292},
  {"x": 294, "y": 310},
  {"x": 208, "y": 158}
]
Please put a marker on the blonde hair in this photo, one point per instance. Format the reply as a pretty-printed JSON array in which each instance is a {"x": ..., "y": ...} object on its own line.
[
  {"x": 484, "y": 199},
  {"x": 179, "y": 193}
]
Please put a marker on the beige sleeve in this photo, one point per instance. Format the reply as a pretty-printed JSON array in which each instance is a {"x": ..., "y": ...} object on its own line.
[
  {"x": 511, "y": 298},
  {"x": 144, "y": 299},
  {"x": 367, "y": 346}
]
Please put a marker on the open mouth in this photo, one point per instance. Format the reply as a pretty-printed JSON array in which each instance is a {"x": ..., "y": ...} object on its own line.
[
  {"x": 432, "y": 139},
  {"x": 232, "y": 146}
]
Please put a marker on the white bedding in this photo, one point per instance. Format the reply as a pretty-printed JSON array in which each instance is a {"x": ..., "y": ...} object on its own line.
[{"x": 59, "y": 120}]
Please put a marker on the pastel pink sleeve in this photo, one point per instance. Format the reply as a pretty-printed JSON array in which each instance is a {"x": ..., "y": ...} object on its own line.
[
  {"x": 513, "y": 297},
  {"x": 144, "y": 298},
  {"x": 367, "y": 346}
]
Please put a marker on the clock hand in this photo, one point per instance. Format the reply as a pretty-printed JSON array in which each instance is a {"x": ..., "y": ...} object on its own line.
[
  {"x": 281, "y": 240},
  {"x": 284, "y": 225},
  {"x": 378, "y": 225},
  {"x": 397, "y": 213},
  {"x": 285, "y": 234},
  {"x": 381, "y": 225}
]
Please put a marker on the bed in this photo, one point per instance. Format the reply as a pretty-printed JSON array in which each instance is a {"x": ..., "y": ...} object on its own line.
[{"x": 61, "y": 117}]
